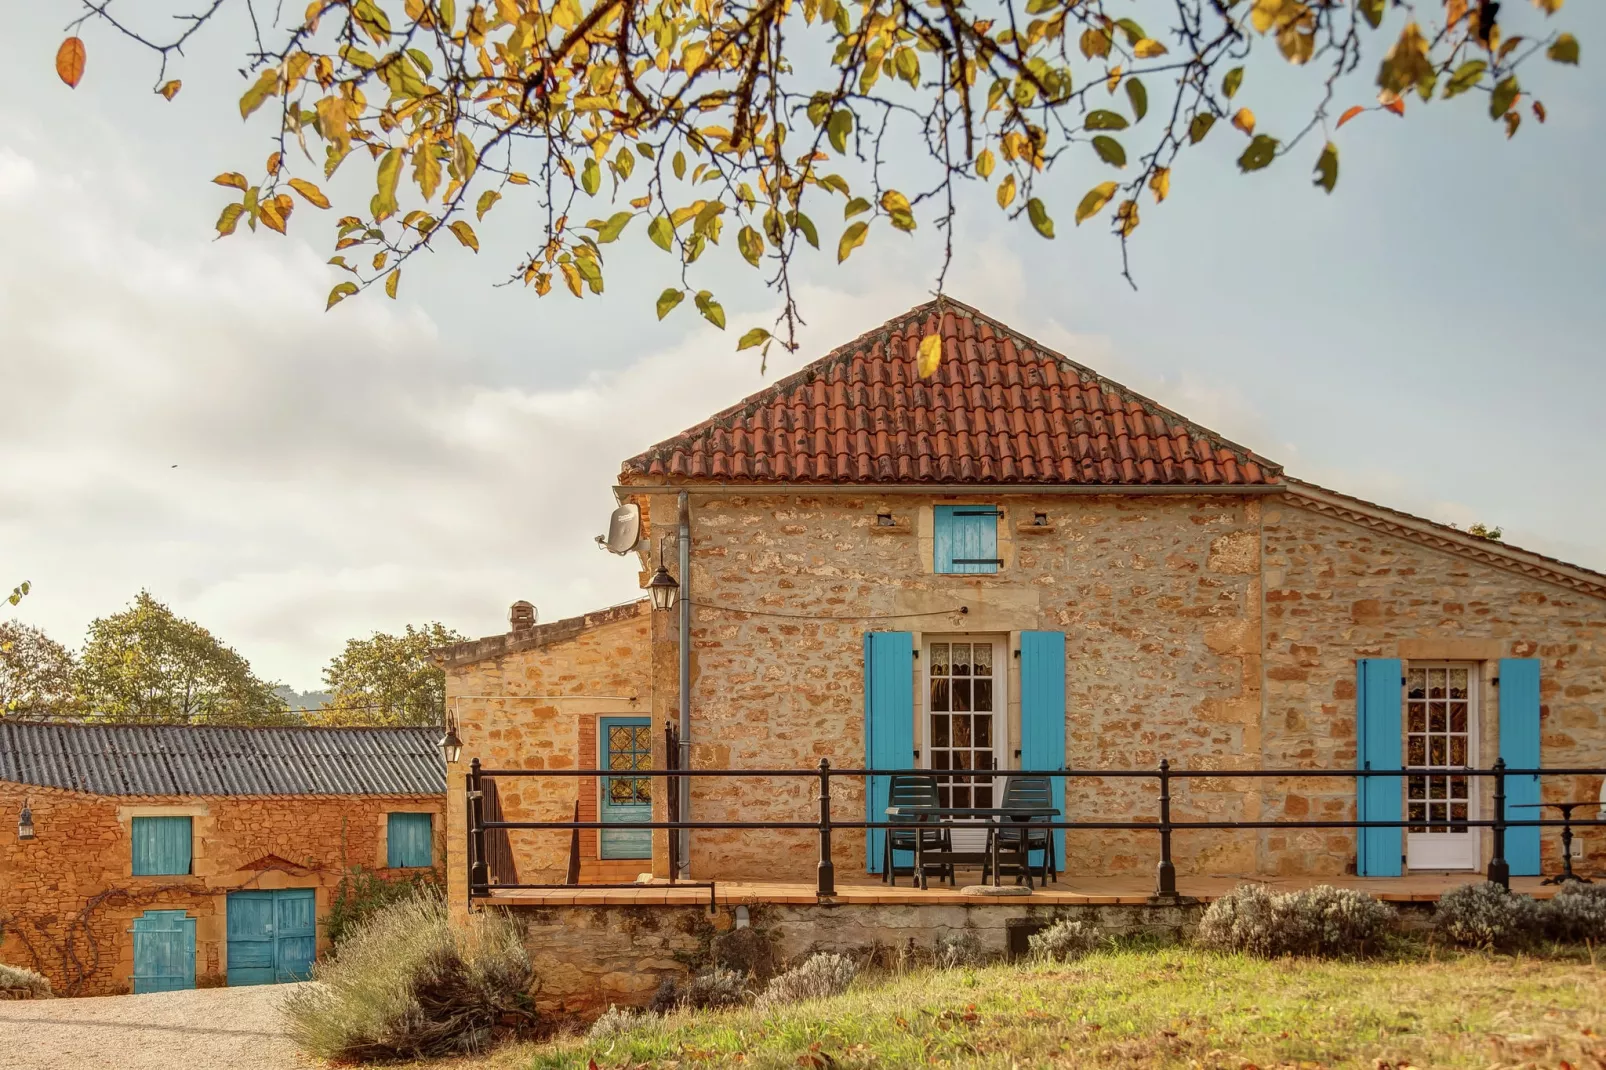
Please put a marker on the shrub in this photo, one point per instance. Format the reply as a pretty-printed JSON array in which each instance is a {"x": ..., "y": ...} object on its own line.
[
  {"x": 363, "y": 893},
  {"x": 1577, "y": 913},
  {"x": 1064, "y": 941},
  {"x": 407, "y": 984},
  {"x": 708, "y": 990},
  {"x": 822, "y": 975},
  {"x": 18, "y": 983},
  {"x": 1340, "y": 921},
  {"x": 959, "y": 948},
  {"x": 1322, "y": 921},
  {"x": 616, "y": 1022},
  {"x": 1488, "y": 916}
]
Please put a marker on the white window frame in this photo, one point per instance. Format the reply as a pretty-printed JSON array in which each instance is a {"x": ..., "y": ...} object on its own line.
[
  {"x": 1428, "y": 851},
  {"x": 966, "y": 840}
]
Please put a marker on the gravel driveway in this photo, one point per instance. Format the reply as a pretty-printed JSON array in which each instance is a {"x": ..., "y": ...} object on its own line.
[{"x": 203, "y": 1029}]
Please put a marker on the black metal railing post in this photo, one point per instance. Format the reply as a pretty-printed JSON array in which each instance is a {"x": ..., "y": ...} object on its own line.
[
  {"x": 672, "y": 797},
  {"x": 479, "y": 876},
  {"x": 1499, "y": 869},
  {"x": 1166, "y": 882},
  {"x": 826, "y": 882}
]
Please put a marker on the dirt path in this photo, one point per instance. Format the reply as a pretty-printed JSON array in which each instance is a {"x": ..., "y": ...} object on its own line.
[{"x": 204, "y": 1029}]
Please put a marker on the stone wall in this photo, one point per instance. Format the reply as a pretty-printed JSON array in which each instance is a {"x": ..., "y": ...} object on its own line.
[
  {"x": 587, "y": 957},
  {"x": 526, "y": 701},
  {"x": 68, "y": 897}
]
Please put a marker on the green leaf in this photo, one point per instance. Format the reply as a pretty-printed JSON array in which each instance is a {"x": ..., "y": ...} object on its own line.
[
  {"x": 1105, "y": 120},
  {"x": 341, "y": 291},
  {"x": 1327, "y": 168},
  {"x": 1261, "y": 151},
  {"x": 668, "y": 300},
  {"x": 259, "y": 92},
  {"x": 1096, "y": 198},
  {"x": 1230, "y": 84},
  {"x": 610, "y": 231},
  {"x": 229, "y": 219},
  {"x": 679, "y": 164},
  {"x": 756, "y": 336},
  {"x": 854, "y": 207},
  {"x": 1465, "y": 77},
  {"x": 487, "y": 199},
  {"x": 662, "y": 233},
  {"x": 751, "y": 244},
  {"x": 1134, "y": 32},
  {"x": 1503, "y": 97},
  {"x": 805, "y": 226},
  {"x": 1200, "y": 126},
  {"x": 710, "y": 309},
  {"x": 389, "y": 175},
  {"x": 591, "y": 176},
  {"x": 852, "y": 238},
  {"x": 1039, "y": 217},
  {"x": 1373, "y": 11},
  {"x": 839, "y": 127},
  {"x": 1109, "y": 150},
  {"x": 1138, "y": 96},
  {"x": 1564, "y": 49}
]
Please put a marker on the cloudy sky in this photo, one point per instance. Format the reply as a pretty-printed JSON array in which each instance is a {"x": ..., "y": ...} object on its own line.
[{"x": 181, "y": 414}]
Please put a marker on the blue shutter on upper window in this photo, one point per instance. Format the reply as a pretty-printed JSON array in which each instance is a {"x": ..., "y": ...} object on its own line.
[
  {"x": 161, "y": 846},
  {"x": 966, "y": 538},
  {"x": 1519, "y": 746},
  {"x": 409, "y": 841}
]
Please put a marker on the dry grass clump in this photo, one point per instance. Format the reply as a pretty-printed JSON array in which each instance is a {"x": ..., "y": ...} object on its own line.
[
  {"x": 821, "y": 976},
  {"x": 1324, "y": 922},
  {"x": 18, "y": 983},
  {"x": 407, "y": 984}
]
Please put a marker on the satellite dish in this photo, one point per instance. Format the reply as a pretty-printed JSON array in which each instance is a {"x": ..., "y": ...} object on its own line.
[{"x": 624, "y": 529}]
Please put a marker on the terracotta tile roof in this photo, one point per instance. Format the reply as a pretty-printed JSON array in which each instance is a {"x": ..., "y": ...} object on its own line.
[{"x": 1001, "y": 409}]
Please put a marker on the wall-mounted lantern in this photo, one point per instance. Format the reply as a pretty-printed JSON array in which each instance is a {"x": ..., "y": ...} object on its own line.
[
  {"x": 25, "y": 823},
  {"x": 451, "y": 744}
]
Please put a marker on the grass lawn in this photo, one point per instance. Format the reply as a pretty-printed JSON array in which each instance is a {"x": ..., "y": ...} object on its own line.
[{"x": 1168, "y": 1007}]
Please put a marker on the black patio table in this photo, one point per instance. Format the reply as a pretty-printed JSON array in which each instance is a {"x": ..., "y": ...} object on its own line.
[
  {"x": 923, "y": 813},
  {"x": 1566, "y": 809}
]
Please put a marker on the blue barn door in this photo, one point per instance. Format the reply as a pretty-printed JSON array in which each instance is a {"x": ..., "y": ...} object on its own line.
[
  {"x": 626, "y": 743},
  {"x": 164, "y": 951},
  {"x": 272, "y": 936}
]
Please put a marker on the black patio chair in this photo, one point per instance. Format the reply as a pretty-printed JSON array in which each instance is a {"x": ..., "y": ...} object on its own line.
[
  {"x": 1018, "y": 838},
  {"x": 914, "y": 792}
]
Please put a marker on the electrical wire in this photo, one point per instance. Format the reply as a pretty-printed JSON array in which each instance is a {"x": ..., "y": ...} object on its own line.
[{"x": 818, "y": 616}]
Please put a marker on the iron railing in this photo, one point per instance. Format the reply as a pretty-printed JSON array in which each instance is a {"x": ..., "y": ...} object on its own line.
[{"x": 824, "y": 825}]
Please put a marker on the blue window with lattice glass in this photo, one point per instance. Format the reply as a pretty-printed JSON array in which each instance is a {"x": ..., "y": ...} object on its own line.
[
  {"x": 161, "y": 846},
  {"x": 410, "y": 841},
  {"x": 966, "y": 538}
]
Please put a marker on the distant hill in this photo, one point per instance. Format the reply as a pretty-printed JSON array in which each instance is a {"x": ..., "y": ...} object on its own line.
[{"x": 303, "y": 700}]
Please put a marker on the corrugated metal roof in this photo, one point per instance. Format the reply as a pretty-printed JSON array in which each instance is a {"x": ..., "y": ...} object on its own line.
[{"x": 123, "y": 759}]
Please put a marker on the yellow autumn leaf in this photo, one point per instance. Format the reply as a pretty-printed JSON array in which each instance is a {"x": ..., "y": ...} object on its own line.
[
  {"x": 930, "y": 355},
  {"x": 1244, "y": 120},
  {"x": 1160, "y": 183},
  {"x": 465, "y": 234},
  {"x": 852, "y": 238},
  {"x": 312, "y": 194},
  {"x": 169, "y": 90},
  {"x": 391, "y": 282},
  {"x": 1148, "y": 49}
]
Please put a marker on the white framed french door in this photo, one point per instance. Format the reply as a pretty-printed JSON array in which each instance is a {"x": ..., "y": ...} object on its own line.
[
  {"x": 966, "y": 721},
  {"x": 1441, "y": 733}
]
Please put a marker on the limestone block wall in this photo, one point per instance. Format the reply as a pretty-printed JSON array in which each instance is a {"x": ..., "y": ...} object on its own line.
[
  {"x": 68, "y": 897},
  {"x": 528, "y": 705},
  {"x": 1337, "y": 590}
]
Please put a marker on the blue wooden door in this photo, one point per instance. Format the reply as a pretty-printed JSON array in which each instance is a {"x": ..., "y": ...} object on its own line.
[
  {"x": 164, "y": 951},
  {"x": 626, "y": 743},
  {"x": 272, "y": 936}
]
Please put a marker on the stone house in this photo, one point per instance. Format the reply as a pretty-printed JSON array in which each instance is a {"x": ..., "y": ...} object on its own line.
[
  {"x": 151, "y": 857},
  {"x": 1017, "y": 563}
]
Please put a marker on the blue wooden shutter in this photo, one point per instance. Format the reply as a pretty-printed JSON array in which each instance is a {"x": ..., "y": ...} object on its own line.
[
  {"x": 164, "y": 951},
  {"x": 161, "y": 846},
  {"x": 1042, "y": 713},
  {"x": 1379, "y": 851},
  {"x": 408, "y": 840},
  {"x": 1519, "y": 746},
  {"x": 889, "y": 722},
  {"x": 966, "y": 538}
]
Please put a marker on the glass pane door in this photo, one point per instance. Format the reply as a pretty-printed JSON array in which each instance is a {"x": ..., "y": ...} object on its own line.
[
  {"x": 1440, "y": 740},
  {"x": 965, "y": 723}
]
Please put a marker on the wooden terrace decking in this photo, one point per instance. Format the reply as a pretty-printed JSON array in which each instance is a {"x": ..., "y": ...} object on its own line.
[{"x": 1086, "y": 891}]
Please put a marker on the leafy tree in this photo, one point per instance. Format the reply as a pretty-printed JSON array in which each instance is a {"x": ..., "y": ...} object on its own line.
[
  {"x": 36, "y": 672},
  {"x": 390, "y": 679},
  {"x": 694, "y": 120},
  {"x": 149, "y": 665}
]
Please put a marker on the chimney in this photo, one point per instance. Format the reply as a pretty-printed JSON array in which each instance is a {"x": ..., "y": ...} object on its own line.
[{"x": 521, "y": 616}]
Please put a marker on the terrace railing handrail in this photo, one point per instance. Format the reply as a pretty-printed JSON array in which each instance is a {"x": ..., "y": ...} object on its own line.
[{"x": 824, "y": 825}]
